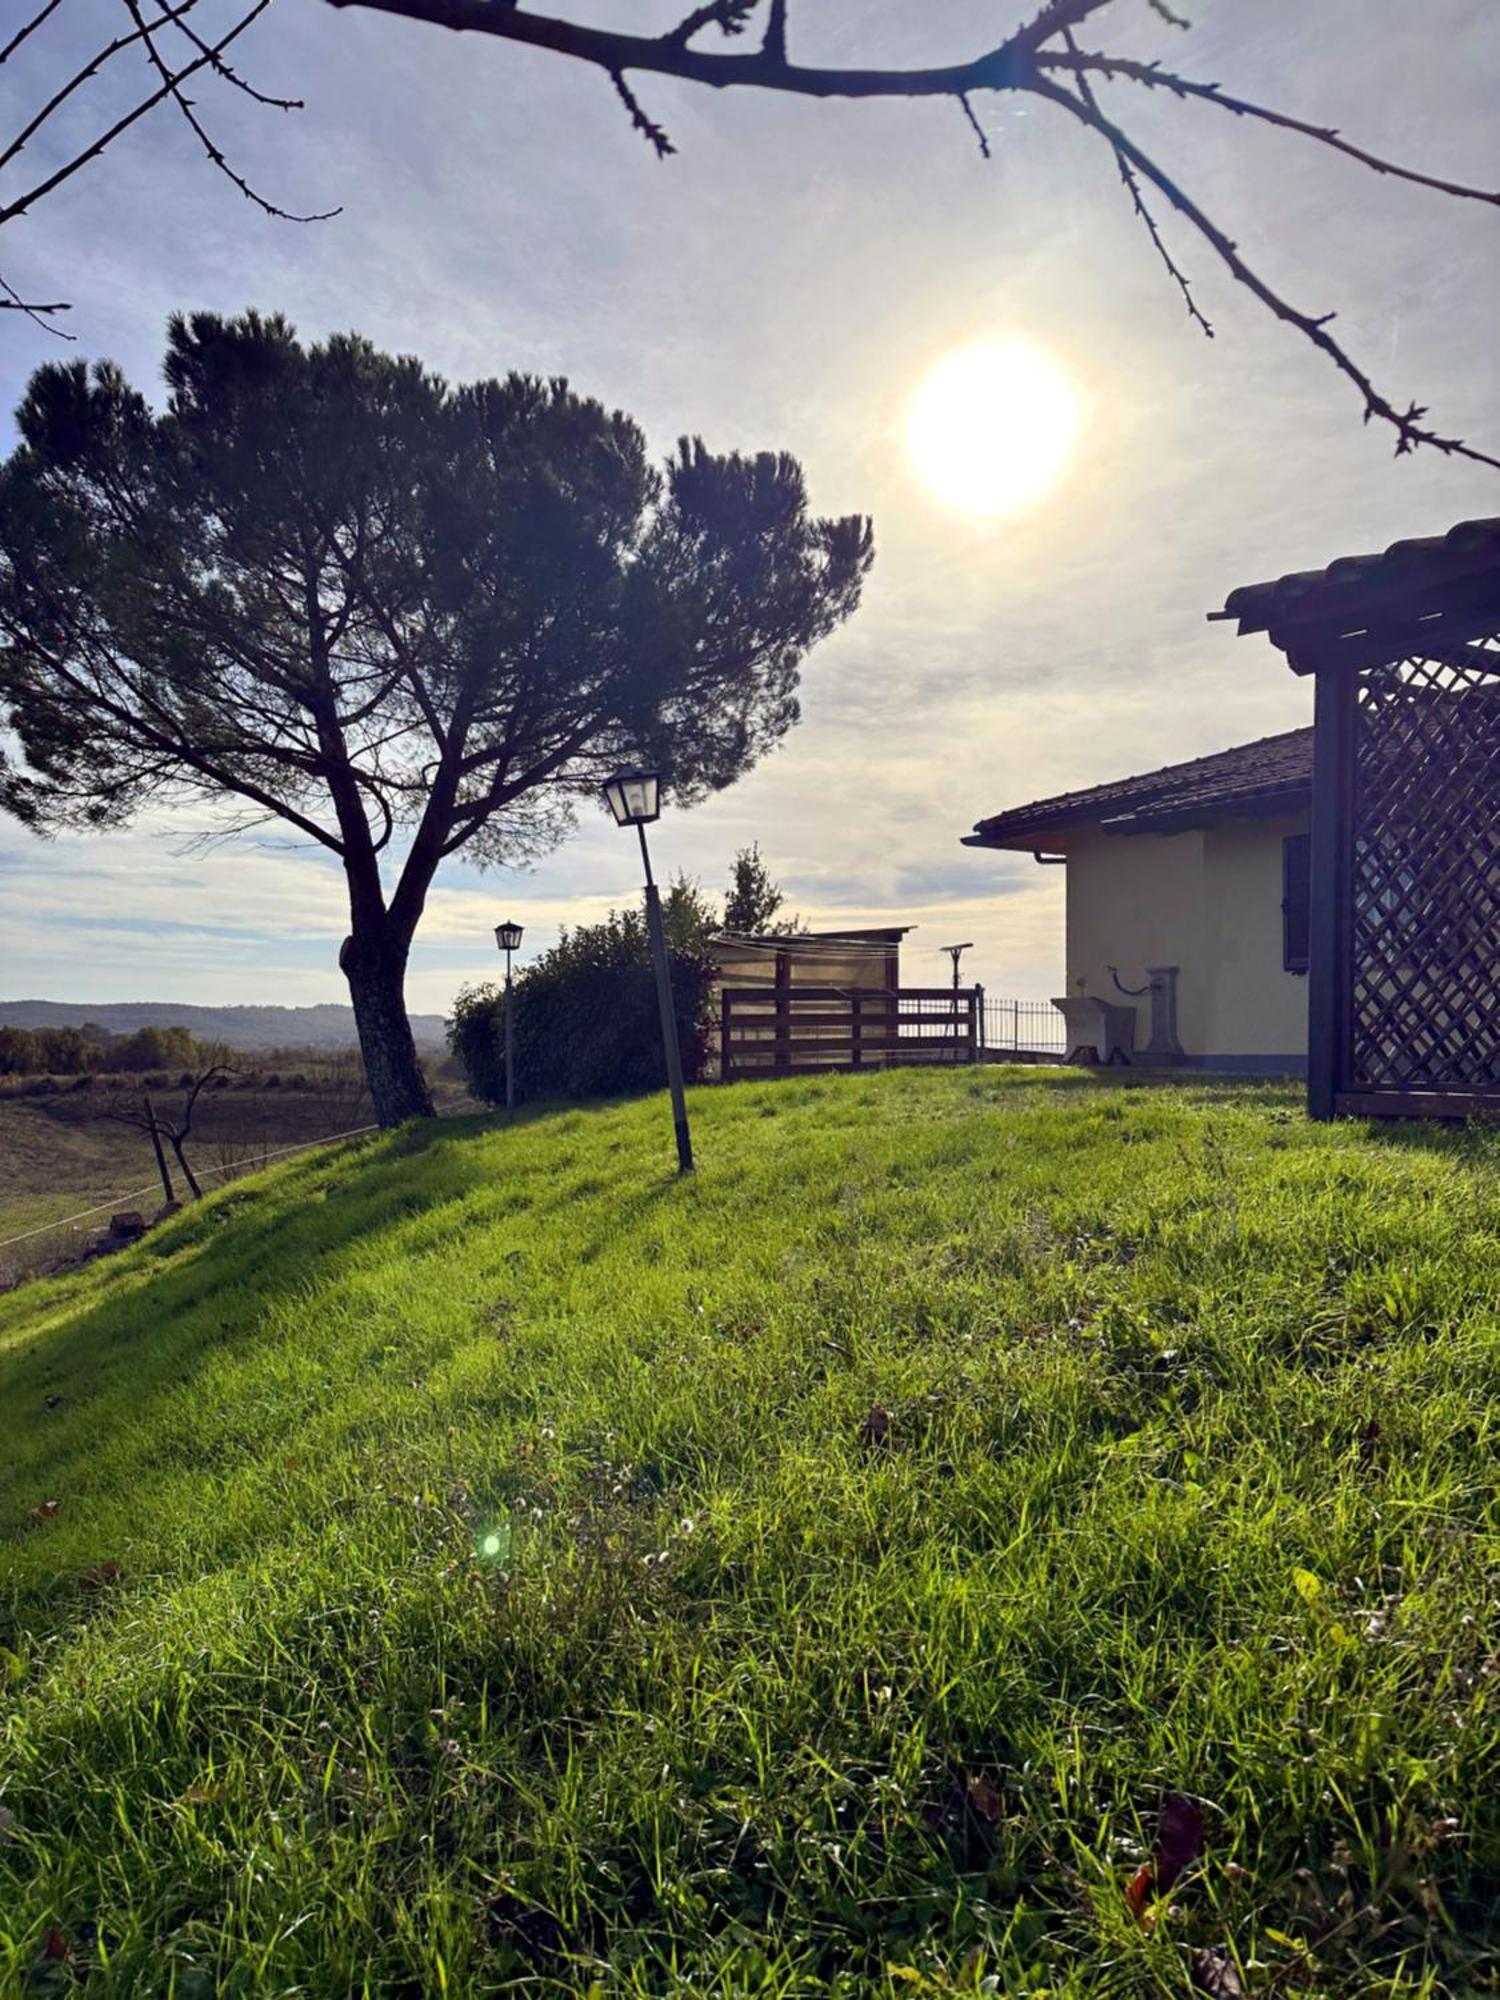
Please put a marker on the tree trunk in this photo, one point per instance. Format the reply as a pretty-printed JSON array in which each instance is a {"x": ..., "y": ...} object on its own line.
[
  {"x": 187, "y": 1173},
  {"x": 375, "y": 968},
  {"x": 161, "y": 1158}
]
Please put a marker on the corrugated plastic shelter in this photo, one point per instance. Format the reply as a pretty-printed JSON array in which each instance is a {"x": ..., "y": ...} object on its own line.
[{"x": 1404, "y": 987}]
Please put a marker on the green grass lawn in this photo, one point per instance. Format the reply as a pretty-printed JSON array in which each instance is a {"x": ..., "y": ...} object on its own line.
[{"x": 480, "y": 1561}]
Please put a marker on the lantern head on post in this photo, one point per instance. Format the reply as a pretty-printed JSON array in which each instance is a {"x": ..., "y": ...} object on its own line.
[
  {"x": 508, "y": 936},
  {"x": 634, "y": 797}
]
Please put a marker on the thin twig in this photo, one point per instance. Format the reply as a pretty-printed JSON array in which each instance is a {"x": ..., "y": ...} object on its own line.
[
  {"x": 1154, "y": 77},
  {"x": 1406, "y": 424},
  {"x": 29, "y": 28},
  {"x": 129, "y": 118},
  {"x": 90, "y": 69},
  {"x": 647, "y": 127},
  {"x": 1133, "y": 188},
  {"x": 732, "y": 17},
  {"x": 34, "y": 310},
  {"x": 215, "y": 153},
  {"x": 979, "y": 132},
  {"x": 232, "y": 76}
]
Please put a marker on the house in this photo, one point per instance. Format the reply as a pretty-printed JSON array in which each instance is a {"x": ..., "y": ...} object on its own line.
[{"x": 1187, "y": 907}]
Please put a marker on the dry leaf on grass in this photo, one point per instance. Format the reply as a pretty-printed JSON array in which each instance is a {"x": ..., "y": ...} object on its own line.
[
  {"x": 876, "y": 1428},
  {"x": 1179, "y": 1842},
  {"x": 984, "y": 1799},
  {"x": 203, "y": 1793},
  {"x": 1216, "y": 1974}
]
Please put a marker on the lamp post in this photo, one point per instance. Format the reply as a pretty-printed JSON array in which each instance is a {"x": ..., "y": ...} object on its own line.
[
  {"x": 634, "y": 797},
  {"x": 956, "y": 952},
  {"x": 508, "y": 937}
]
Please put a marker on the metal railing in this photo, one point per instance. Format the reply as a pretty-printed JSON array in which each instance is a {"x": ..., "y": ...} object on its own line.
[{"x": 1022, "y": 1027}]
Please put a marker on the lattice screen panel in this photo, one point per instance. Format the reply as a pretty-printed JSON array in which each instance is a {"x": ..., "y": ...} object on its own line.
[{"x": 1425, "y": 874}]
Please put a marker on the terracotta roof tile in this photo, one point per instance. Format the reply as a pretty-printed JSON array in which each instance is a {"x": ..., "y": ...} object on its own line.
[
  {"x": 1252, "y": 777},
  {"x": 1415, "y": 566}
]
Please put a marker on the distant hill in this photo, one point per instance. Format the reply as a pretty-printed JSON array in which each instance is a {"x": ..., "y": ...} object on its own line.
[{"x": 325, "y": 1027}]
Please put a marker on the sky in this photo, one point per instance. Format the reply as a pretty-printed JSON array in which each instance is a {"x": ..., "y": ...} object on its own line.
[{"x": 787, "y": 281}]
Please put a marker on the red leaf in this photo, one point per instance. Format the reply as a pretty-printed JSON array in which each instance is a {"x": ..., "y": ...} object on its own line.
[
  {"x": 99, "y": 1575},
  {"x": 1140, "y": 1889},
  {"x": 45, "y": 1512},
  {"x": 56, "y": 1945}
]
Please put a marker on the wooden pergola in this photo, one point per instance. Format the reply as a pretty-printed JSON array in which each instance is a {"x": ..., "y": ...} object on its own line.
[{"x": 1404, "y": 979}]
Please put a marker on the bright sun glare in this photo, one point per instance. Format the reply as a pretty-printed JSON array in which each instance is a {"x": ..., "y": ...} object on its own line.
[{"x": 991, "y": 425}]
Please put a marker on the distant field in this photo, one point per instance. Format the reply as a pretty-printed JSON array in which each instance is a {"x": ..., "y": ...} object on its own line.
[
  {"x": 64, "y": 1153},
  {"x": 253, "y": 1028}
]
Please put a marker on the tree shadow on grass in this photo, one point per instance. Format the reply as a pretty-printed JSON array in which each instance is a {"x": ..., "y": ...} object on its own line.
[
  {"x": 95, "y": 1348},
  {"x": 1472, "y": 1141},
  {"x": 94, "y": 1355}
]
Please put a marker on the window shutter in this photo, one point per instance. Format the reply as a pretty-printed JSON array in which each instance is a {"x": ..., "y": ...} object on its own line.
[{"x": 1296, "y": 900}]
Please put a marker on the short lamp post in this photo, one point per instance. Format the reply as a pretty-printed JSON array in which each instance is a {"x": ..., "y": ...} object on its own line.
[
  {"x": 508, "y": 937},
  {"x": 634, "y": 797}
]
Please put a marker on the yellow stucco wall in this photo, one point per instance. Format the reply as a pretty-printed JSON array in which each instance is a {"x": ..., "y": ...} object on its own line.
[{"x": 1208, "y": 902}]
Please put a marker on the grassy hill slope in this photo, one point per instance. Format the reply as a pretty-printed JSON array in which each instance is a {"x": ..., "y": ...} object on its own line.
[{"x": 480, "y": 1559}]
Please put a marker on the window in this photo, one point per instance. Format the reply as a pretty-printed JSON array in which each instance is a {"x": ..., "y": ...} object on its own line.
[{"x": 1296, "y": 900}]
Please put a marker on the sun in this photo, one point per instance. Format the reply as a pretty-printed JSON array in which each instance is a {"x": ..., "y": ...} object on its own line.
[{"x": 991, "y": 426}]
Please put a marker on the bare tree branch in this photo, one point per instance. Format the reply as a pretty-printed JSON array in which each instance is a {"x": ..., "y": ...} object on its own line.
[
  {"x": 1154, "y": 77},
  {"x": 1133, "y": 189},
  {"x": 122, "y": 124},
  {"x": 172, "y": 71},
  {"x": 774, "y": 44},
  {"x": 1024, "y": 62},
  {"x": 1004, "y": 67},
  {"x": 215, "y": 153},
  {"x": 85, "y": 75},
  {"x": 1407, "y": 423},
  {"x": 28, "y": 28},
  {"x": 647, "y": 127},
  {"x": 1033, "y": 60},
  {"x": 231, "y": 75},
  {"x": 979, "y": 132},
  {"x": 34, "y": 309},
  {"x": 732, "y": 16}
]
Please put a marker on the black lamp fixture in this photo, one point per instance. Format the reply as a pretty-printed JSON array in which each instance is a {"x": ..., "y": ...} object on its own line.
[{"x": 634, "y": 797}]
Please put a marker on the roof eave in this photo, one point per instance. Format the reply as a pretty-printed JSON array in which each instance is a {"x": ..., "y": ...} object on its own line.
[{"x": 1029, "y": 838}]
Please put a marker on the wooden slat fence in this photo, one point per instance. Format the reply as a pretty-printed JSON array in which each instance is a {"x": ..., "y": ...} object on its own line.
[{"x": 795, "y": 1030}]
